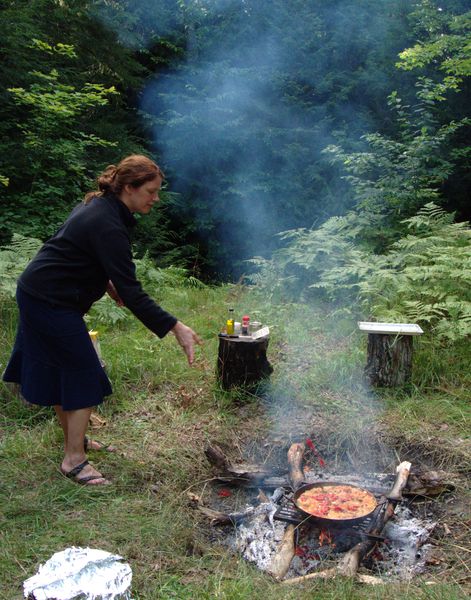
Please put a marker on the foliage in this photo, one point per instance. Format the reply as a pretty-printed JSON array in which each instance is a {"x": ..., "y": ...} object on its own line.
[
  {"x": 56, "y": 146},
  {"x": 425, "y": 277},
  {"x": 310, "y": 255},
  {"x": 442, "y": 58},
  {"x": 237, "y": 99},
  {"x": 373, "y": 259},
  {"x": 447, "y": 45},
  {"x": 422, "y": 277},
  {"x": 395, "y": 177},
  {"x": 14, "y": 258},
  {"x": 63, "y": 118}
]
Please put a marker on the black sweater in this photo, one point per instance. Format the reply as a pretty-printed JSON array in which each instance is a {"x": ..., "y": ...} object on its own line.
[{"x": 92, "y": 247}]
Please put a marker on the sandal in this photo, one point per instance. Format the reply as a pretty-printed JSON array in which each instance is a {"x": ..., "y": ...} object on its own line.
[
  {"x": 101, "y": 446},
  {"x": 73, "y": 474}
]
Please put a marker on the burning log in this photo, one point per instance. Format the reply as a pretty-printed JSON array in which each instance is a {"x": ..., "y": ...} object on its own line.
[
  {"x": 295, "y": 459},
  {"x": 285, "y": 552},
  {"x": 429, "y": 483},
  {"x": 420, "y": 483},
  {"x": 242, "y": 361},
  {"x": 243, "y": 473},
  {"x": 284, "y": 555},
  {"x": 217, "y": 517},
  {"x": 348, "y": 566}
]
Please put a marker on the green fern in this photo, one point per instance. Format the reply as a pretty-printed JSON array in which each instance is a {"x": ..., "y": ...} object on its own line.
[
  {"x": 13, "y": 259},
  {"x": 424, "y": 277}
]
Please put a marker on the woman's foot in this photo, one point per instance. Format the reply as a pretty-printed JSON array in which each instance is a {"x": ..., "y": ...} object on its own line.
[
  {"x": 85, "y": 474},
  {"x": 96, "y": 445}
]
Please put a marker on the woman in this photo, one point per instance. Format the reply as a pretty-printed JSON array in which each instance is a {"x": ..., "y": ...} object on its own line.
[{"x": 53, "y": 359}]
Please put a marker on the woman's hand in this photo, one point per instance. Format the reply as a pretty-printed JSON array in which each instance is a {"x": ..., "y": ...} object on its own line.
[
  {"x": 111, "y": 290},
  {"x": 187, "y": 339}
]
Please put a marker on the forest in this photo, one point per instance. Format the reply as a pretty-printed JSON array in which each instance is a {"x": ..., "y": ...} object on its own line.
[
  {"x": 265, "y": 117},
  {"x": 317, "y": 173}
]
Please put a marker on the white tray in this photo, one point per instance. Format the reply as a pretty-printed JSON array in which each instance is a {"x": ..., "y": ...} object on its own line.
[{"x": 392, "y": 328}]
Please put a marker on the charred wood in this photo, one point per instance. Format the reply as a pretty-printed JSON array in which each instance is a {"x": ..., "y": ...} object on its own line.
[
  {"x": 429, "y": 483},
  {"x": 243, "y": 473},
  {"x": 217, "y": 517},
  {"x": 419, "y": 483}
]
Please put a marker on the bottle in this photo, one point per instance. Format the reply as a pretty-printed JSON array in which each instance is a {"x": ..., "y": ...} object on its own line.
[
  {"x": 96, "y": 344},
  {"x": 230, "y": 322},
  {"x": 245, "y": 325}
]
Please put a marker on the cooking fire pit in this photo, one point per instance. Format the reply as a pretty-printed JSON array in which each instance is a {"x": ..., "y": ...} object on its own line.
[{"x": 293, "y": 542}]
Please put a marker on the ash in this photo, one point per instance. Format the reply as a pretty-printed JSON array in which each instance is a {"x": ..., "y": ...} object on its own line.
[
  {"x": 257, "y": 541},
  {"x": 406, "y": 552},
  {"x": 258, "y": 538}
]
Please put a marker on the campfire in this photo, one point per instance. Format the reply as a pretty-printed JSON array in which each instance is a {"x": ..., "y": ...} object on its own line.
[{"x": 289, "y": 536}]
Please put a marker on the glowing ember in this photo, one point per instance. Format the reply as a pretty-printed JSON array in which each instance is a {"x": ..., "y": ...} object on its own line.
[{"x": 325, "y": 538}]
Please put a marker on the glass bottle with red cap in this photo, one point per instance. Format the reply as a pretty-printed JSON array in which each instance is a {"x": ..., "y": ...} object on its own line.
[{"x": 245, "y": 325}]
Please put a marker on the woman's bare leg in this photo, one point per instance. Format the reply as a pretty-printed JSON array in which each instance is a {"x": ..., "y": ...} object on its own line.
[
  {"x": 74, "y": 427},
  {"x": 63, "y": 422},
  {"x": 91, "y": 444}
]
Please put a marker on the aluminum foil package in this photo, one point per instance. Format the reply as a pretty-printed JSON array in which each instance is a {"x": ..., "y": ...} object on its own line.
[{"x": 81, "y": 574}]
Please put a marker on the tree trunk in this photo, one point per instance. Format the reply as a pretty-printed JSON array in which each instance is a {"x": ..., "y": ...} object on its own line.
[
  {"x": 242, "y": 362},
  {"x": 389, "y": 361}
]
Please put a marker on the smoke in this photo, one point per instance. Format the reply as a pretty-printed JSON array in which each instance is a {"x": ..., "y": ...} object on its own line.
[
  {"x": 318, "y": 392},
  {"x": 241, "y": 124},
  {"x": 241, "y": 118}
]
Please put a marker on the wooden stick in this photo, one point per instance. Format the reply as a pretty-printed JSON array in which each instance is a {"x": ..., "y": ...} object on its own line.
[
  {"x": 326, "y": 574},
  {"x": 295, "y": 459},
  {"x": 217, "y": 517},
  {"x": 243, "y": 473},
  {"x": 284, "y": 554},
  {"x": 331, "y": 573},
  {"x": 402, "y": 471}
]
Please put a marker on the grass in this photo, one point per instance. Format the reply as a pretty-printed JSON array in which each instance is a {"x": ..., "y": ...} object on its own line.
[{"x": 162, "y": 415}]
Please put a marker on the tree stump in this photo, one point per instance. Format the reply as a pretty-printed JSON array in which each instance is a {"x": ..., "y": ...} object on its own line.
[
  {"x": 389, "y": 360},
  {"x": 242, "y": 361}
]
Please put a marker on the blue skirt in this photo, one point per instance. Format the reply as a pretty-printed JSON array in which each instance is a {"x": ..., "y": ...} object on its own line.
[{"x": 53, "y": 358}]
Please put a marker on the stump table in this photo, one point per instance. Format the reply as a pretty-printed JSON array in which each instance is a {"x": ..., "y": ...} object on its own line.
[
  {"x": 242, "y": 361},
  {"x": 389, "y": 361}
]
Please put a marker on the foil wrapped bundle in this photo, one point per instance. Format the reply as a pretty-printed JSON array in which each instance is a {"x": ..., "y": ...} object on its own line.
[{"x": 81, "y": 574}]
